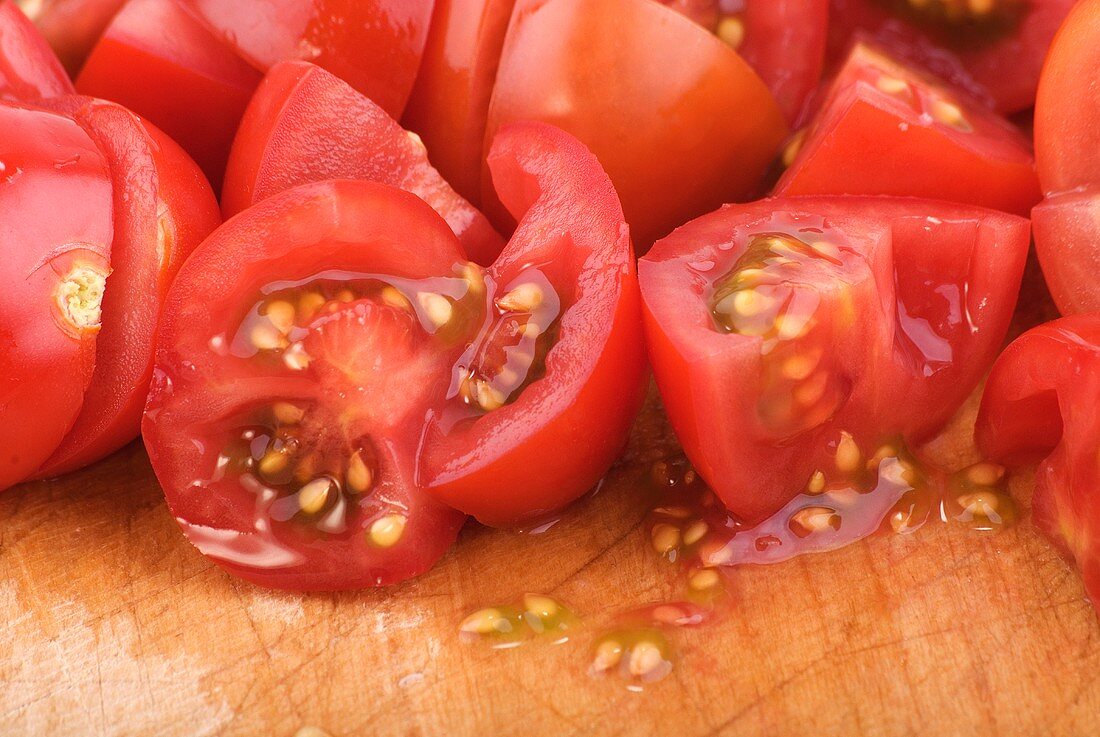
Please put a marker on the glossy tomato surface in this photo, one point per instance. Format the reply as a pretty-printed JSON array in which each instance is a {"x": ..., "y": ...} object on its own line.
[
  {"x": 993, "y": 50},
  {"x": 450, "y": 101},
  {"x": 160, "y": 62},
  {"x": 29, "y": 70},
  {"x": 55, "y": 247},
  {"x": 163, "y": 208},
  {"x": 72, "y": 27},
  {"x": 792, "y": 338},
  {"x": 679, "y": 121},
  {"x": 886, "y": 129},
  {"x": 306, "y": 125},
  {"x": 1040, "y": 406},
  {"x": 374, "y": 45},
  {"x": 1067, "y": 240}
]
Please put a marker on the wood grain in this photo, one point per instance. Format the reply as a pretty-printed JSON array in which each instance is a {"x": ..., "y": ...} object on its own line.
[{"x": 113, "y": 625}]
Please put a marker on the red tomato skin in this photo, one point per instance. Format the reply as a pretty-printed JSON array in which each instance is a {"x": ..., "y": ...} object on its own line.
[
  {"x": 1067, "y": 137},
  {"x": 676, "y": 145},
  {"x": 46, "y": 362},
  {"x": 1039, "y": 406},
  {"x": 374, "y": 45},
  {"x": 341, "y": 225},
  {"x": 304, "y": 124},
  {"x": 29, "y": 70},
  {"x": 1067, "y": 240},
  {"x": 160, "y": 62},
  {"x": 163, "y": 208},
  {"x": 866, "y": 142},
  {"x": 1004, "y": 73},
  {"x": 532, "y": 457},
  {"x": 71, "y": 27},
  {"x": 708, "y": 379},
  {"x": 450, "y": 101}
]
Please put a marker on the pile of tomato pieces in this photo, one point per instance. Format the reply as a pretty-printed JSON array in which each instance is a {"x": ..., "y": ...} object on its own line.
[{"x": 424, "y": 302}]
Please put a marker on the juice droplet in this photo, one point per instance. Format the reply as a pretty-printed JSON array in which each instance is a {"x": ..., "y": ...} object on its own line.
[{"x": 510, "y": 625}]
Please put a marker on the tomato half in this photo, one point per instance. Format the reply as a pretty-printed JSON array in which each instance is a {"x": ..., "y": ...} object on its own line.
[
  {"x": 993, "y": 50},
  {"x": 55, "y": 246},
  {"x": 680, "y": 122},
  {"x": 305, "y": 125},
  {"x": 374, "y": 45},
  {"x": 72, "y": 27},
  {"x": 1040, "y": 406},
  {"x": 160, "y": 62},
  {"x": 450, "y": 101},
  {"x": 163, "y": 208},
  {"x": 888, "y": 129},
  {"x": 792, "y": 338},
  {"x": 29, "y": 70}
]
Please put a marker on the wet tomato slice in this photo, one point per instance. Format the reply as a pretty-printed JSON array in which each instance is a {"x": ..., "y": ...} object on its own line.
[
  {"x": 993, "y": 50},
  {"x": 55, "y": 263},
  {"x": 450, "y": 100},
  {"x": 680, "y": 122},
  {"x": 72, "y": 27},
  {"x": 1039, "y": 407},
  {"x": 887, "y": 129},
  {"x": 306, "y": 125},
  {"x": 796, "y": 341},
  {"x": 305, "y": 423},
  {"x": 163, "y": 208},
  {"x": 29, "y": 70}
]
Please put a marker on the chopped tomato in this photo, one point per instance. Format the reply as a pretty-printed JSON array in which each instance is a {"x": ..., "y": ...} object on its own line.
[
  {"x": 993, "y": 50},
  {"x": 794, "y": 340},
  {"x": 1040, "y": 406},
  {"x": 887, "y": 129},
  {"x": 55, "y": 191},
  {"x": 450, "y": 101},
  {"x": 163, "y": 208},
  {"x": 680, "y": 122},
  {"x": 1067, "y": 240},
  {"x": 296, "y": 418},
  {"x": 72, "y": 27},
  {"x": 160, "y": 62},
  {"x": 29, "y": 70},
  {"x": 305, "y": 125}
]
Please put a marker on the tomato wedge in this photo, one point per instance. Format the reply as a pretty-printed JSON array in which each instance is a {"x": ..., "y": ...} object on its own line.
[
  {"x": 888, "y": 129},
  {"x": 792, "y": 338},
  {"x": 160, "y": 62},
  {"x": 450, "y": 101},
  {"x": 1040, "y": 406},
  {"x": 305, "y": 125},
  {"x": 1067, "y": 240},
  {"x": 29, "y": 70},
  {"x": 163, "y": 208},
  {"x": 993, "y": 50},
  {"x": 55, "y": 264},
  {"x": 296, "y": 419},
  {"x": 680, "y": 122},
  {"x": 72, "y": 27}
]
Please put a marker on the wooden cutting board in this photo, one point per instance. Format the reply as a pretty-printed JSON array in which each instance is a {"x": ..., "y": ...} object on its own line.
[{"x": 113, "y": 625}]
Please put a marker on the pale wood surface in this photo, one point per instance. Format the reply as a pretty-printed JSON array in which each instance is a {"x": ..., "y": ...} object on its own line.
[{"x": 113, "y": 625}]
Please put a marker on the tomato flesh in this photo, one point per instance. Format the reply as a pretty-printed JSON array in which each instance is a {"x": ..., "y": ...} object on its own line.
[
  {"x": 679, "y": 121},
  {"x": 1040, "y": 406},
  {"x": 72, "y": 27},
  {"x": 29, "y": 70},
  {"x": 887, "y": 129},
  {"x": 305, "y": 125},
  {"x": 55, "y": 263},
  {"x": 792, "y": 337}
]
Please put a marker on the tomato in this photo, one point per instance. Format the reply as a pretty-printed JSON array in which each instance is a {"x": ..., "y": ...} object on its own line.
[
  {"x": 1040, "y": 406},
  {"x": 71, "y": 27},
  {"x": 677, "y": 118},
  {"x": 1067, "y": 240},
  {"x": 450, "y": 101},
  {"x": 55, "y": 246},
  {"x": 165, "y": 66},
  {"x": 374, "y": 45},
  {"x": 562, "y": 351},
  {"x": 296, "y": 418},
  {"x": 887, "y": 129},
  {"x": 304, "y": 125},
  {"x": 29, "y": 70},
  {"x": 792, "y": 339},
  {"x": 163, "y": 208},
  {"x": 993, "y": 50},
  {"x": 783, "y": 40}
]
